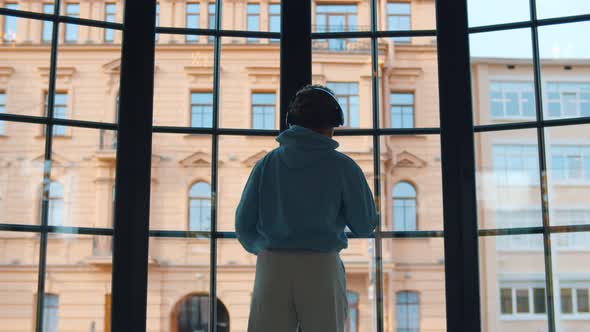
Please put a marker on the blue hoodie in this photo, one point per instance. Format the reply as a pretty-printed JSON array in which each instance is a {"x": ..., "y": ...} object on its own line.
[{"x": 302, "y": 194}]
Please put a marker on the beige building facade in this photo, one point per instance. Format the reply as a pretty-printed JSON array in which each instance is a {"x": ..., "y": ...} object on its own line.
[{"x": 81, "y": 190}]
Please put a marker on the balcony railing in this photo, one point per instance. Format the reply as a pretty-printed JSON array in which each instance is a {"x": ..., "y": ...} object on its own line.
[
  {"x": 108, "y": 140},
  {"x": 342, "y": 45}
]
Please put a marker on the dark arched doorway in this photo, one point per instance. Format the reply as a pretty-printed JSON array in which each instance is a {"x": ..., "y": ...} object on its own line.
[{"x": 191, "y": 314}]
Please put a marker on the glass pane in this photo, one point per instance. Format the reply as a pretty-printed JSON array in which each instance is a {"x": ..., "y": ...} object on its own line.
[
  {"x": 401, "y": 15},
  {"x": 181, "y": 176},
  {"x": 236, "y": 270},
  {"x": 410, "y": 91},
  {"x": 502, "y": 77},
  {"x": 36, "y": 7},
  {"x": 237, "y": 157},
  {"x": 566, "y": 90},
  {"x": 84, "y": 166},
  {"x": 111, "y": 11},
  {"x": 344, "y": 66},
  {"x": 413, "y": 162},
  {"x": 414, "y": 297},
  {"x": 252, "y": 16},
  {"x": 89, "y": 77},
  {"x": 340, "y": 17},
  {"x": 248, "y": 70},
  {"x": 571, "y": 279},
  {"x": 483, "y": 12},
  {"x": 512, "y": 282},
  {"x": 550, "y": 8},
  {"x": 181, "y": 272},
  {"x": 21, "y": 172},
  {"x": 567, "y": 150},
  {"x": 20, "y": 260},
  {"x": 78, "y": 280},
  {"x": 180, "y": 72},
  {"x": 24, "y": 78},
  {"x": 508, "y": 189}
]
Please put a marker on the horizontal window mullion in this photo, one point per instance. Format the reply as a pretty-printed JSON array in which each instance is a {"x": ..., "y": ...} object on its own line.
[
  {"x": 55, "y": 229},
  {"x": 501, "y": 27},
  {"x": 61, "y": 19},
  {"x": 220, "y": 33},
  {"x": 376, "y": 34},
  {"x": 563, "y": 19},
  {"x": 505, "y": 126},
  {"x": 83, "y": 124},
  {"x": 27, "y": 14},
  {"x": 180, "y": 234},
  {"x": 566, "y": 122},
  {"x": 212, "y": 131},
  {"x": 89, "y": 22},
  {"x": 511, "y": 231}
]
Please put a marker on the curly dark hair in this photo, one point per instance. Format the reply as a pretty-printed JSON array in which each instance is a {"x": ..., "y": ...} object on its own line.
[{"x": 312, "y": 108}]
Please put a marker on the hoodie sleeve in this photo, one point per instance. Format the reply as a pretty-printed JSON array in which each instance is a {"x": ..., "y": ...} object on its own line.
[
  {"x": 247, "y": 213},
  {"x": 358, "y": 204}
]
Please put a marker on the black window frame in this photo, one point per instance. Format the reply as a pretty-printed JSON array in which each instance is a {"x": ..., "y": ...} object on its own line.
[{"x": 135, "y": 129}]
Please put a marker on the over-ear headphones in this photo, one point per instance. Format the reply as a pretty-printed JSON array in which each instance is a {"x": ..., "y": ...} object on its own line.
[{"x": 291, "y": 119}]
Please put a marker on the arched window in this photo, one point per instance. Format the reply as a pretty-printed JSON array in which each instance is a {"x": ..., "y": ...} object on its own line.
[
  {"x": 404, "y": 207},
  {"x": 352, "y": 323},
  {"x": 56, "y": 204},
  {"x": 407, "y": 311},
  {"x": 192, "y": 314},
  {"x": 200, "y": 207}
]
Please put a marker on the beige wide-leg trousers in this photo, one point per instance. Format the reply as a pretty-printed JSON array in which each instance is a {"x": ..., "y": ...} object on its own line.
[{"x": 298, "y": 290}]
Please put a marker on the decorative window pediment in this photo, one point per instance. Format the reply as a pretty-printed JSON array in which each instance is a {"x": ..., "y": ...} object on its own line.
[
  {"x": 406, "y": 159},
  {"x": 253, "y": 159},
  {"x": 5, "y": 73},
  {"x": 63, "y": 75},
  {"x": 263, "y": 74},
  {"x": 197, "y": 159}
]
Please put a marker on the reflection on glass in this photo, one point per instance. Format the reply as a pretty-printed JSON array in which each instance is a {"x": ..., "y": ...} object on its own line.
[
  {"x": 502, "y": 77},
  {"x": 413, "y": 281},
  {"x": 567, "y": 150},
  {"x": 19, "y": 260},
  {"x": 513, "y": 294},
  {"x": 571, "y": 280},
  {"x": 21, "y": 172},
  {"x": 508, "y": 184},
  {"x": 483, "y": 12},
  {"x": 181, "y": 189}
]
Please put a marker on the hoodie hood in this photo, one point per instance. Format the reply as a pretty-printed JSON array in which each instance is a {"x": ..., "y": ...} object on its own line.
[{"x": 302, "y": 147}]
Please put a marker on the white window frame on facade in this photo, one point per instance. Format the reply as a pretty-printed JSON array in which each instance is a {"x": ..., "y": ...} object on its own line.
[
  {"x": 408, "y": 306},
  {"x": 47, "y": 26},
  {"x": 567, "y": 152},
  {"x": 194, "y": 15},
  {"x": 254, "y": 113},
  {"x": 404, "y": 40},
  {"x": 10, "y": 36},
  {"x": 110, "y": 15},
  {"x": 50, "y": 312},
  {"x": 191, "y": 105},
  {"x": 525, "y": 176},
  {"x": 571, "y": 241},
  {"x": 252, "y": 12},
  {"x": 582, "y": 95},
  {"x": 530, "y": 286},
  {"x": 72, "y": 28},
  {"x": 520, "y": 88},
  {"x": 198, "y": 197},
  {"x": 574, "y": 287},
  {"x": 523, "y": 217},
  {"x": 345, "y": 101}
]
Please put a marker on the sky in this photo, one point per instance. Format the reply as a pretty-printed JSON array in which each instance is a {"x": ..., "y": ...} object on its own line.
[{"x": 566, "y": 41}]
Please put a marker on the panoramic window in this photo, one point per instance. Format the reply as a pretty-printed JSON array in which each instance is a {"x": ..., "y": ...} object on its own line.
[{"x": 513, "y": 138}]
